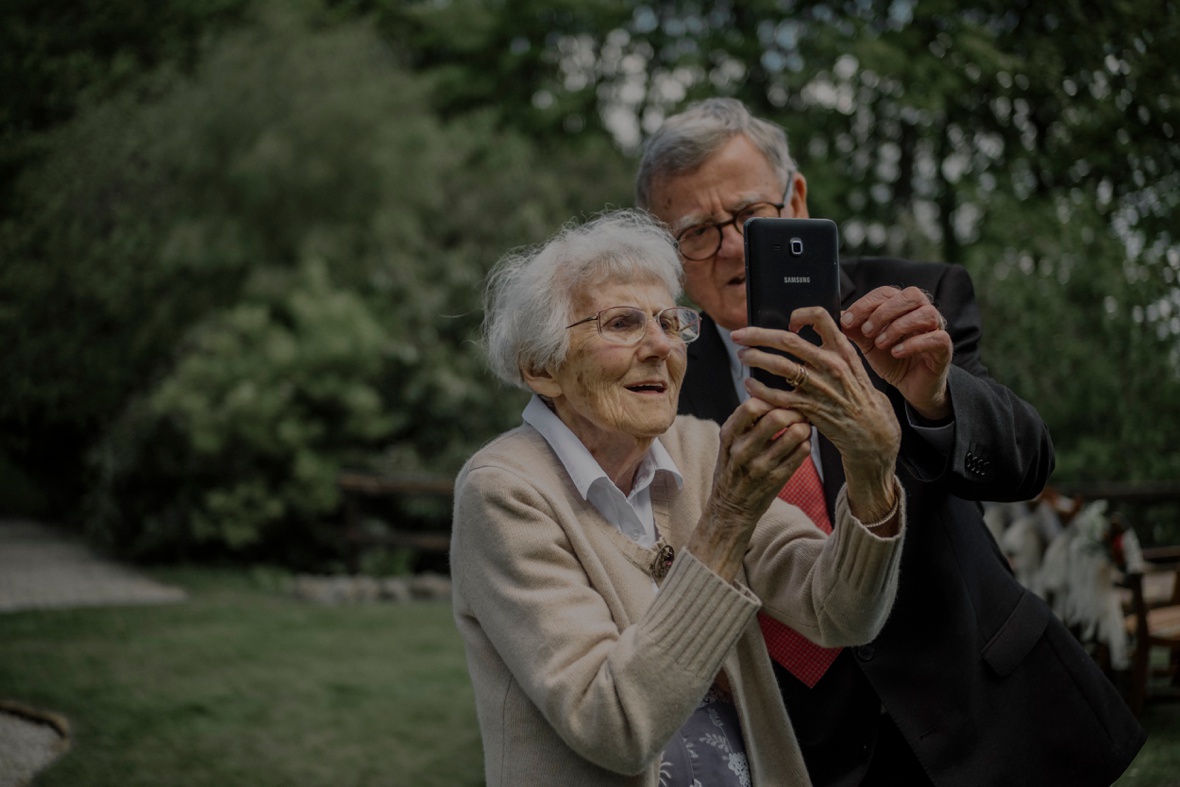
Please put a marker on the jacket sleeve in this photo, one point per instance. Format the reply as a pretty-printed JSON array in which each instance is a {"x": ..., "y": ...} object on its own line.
[
  {"x": 615, "y": 697},
  {"x": 1001, "y": 449}
]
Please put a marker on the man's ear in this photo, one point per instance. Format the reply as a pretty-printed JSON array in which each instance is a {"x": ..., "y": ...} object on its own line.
[
  {"x": 542, "y": 382},
  {"x": 797, "y": 199}
]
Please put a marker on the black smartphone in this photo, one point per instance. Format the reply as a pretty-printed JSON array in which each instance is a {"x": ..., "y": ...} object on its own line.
[{"x": 790, "y": 263}]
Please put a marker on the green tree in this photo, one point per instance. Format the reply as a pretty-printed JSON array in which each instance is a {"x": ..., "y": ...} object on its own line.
[
  {"x": 156, "y": 260},
  {"x": 57, "y": 55},
  {"x": 182, "y": 182},
  {"x": 1036, "y": 145},
  {"x": 507, "y": 56}
]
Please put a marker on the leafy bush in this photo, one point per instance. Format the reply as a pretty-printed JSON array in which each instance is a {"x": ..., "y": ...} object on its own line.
[
  {"x": 269, "y": 269},
  {"x": 240, "y": 445}
]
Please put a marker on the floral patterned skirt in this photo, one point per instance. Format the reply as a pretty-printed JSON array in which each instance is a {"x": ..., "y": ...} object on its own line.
[{"x": 708, "y": 751}]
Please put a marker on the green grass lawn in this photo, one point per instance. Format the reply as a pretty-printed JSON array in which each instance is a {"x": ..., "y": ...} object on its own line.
[
  {"x": 244, "y": 685},
  {"x": 247, "y": 686},
  {"x": 1158, "y": 763}
]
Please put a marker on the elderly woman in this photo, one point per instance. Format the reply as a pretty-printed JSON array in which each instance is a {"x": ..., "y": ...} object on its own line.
[{"x": 609, "y": 557}]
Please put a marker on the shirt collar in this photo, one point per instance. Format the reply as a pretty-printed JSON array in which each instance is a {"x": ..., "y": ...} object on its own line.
[
  {"x": 737, "y": 370},
  {"x": 581, "y": 465}
]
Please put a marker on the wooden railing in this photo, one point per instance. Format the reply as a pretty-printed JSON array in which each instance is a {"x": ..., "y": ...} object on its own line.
[
  {"x": 358, "y": 487},
  {"x": 1124, "y": 491}
]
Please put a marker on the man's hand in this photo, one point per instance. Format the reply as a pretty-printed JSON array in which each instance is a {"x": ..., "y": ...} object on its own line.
[{"x": 904, "y": 339}]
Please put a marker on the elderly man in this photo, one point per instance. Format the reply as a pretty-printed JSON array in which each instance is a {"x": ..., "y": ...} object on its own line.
[{"x": 972, "y": 681}]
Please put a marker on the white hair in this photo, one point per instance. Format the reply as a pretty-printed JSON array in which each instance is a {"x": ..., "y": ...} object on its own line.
[
  {"x": 684, "y": 141},
  {"x": 528, "y": 303}
]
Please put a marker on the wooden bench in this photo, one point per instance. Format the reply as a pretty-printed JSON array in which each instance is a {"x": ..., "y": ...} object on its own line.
[
  {"x": 360, "y": 489},
  {"x": 1153, "y": 621},
  {"x": 1151, "y": 599}
]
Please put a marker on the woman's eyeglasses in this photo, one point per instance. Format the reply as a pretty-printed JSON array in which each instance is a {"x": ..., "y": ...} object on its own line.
[{"x": 627, "y": 325}]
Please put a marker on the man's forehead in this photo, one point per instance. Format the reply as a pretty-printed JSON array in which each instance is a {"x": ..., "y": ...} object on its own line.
[{"x": 722, "y": 207}]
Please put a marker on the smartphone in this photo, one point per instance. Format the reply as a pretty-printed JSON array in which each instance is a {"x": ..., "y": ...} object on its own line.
[{"x": 790, "y": 263}]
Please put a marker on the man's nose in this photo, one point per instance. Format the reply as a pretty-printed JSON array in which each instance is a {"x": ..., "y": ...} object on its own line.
[{"x": 732, "y": 242}]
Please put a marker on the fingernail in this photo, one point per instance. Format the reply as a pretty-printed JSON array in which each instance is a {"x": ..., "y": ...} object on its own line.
[
  {"x": 867, "y": 328},
  {"x": 846, "y": 318}
]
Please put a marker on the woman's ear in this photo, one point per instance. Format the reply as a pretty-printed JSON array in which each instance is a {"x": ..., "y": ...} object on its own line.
[{"x": 542, "y": 381}]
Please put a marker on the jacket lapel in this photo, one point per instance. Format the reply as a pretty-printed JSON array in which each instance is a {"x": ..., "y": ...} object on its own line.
[
  {"x": 707, "y": 391},
  {"x": 848, "y": 291}
]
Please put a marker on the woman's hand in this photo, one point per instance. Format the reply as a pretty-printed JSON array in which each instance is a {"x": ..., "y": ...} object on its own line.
[
  {"x": 761, "y": 446},
  {"x": 837, "y": 396}
]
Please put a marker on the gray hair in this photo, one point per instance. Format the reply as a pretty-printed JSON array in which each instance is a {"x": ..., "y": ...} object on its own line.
[
  {"x": 685, "y": 140},
  {"x": 530, "y": 292}
]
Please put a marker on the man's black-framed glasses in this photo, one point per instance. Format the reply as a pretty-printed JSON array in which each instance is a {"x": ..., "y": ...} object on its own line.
[
  {"x": 627, "y": 325},
  {"x": 702, "y": 241}
]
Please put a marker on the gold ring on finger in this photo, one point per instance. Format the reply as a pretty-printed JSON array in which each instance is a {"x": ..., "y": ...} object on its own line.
[{"x": 801, "y": 377}]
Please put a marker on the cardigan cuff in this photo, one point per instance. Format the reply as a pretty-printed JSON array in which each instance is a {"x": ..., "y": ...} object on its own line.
[
  {"x": 866, "y": 560},
  {"x": 697, "y": 616}
]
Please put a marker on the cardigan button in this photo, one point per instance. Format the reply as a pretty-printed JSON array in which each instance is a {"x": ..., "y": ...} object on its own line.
[{"x": 865, "y": 652}]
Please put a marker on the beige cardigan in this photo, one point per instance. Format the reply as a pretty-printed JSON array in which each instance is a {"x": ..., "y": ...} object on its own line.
[{"x": 582, "y": 672}]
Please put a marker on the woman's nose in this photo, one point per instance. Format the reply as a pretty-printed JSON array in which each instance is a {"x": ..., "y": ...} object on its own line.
[{"x": 656, "y": 340}]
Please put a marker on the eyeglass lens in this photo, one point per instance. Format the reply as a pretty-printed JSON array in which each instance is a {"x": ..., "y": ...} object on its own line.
[
  {"x": 628, "y": 325},
  {"x": 703, "y": 241}
]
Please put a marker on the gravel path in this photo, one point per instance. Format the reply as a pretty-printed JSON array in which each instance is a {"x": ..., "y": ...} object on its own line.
[
  {"x": 43, "y": 567},
  {"x": 29, "y": 741}
]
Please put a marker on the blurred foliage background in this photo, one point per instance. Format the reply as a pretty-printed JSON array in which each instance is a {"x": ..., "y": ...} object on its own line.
[{"x": 242, "y": 242}]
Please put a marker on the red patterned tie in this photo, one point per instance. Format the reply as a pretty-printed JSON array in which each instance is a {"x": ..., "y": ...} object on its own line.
[{"x": 800, "y": 656}]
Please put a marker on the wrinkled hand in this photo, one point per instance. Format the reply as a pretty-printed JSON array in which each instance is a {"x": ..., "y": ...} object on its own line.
[
  {"x": 761, "y": 446},
  {"x": 904, "y": 339},
  {"x": 838, "y": 397}
]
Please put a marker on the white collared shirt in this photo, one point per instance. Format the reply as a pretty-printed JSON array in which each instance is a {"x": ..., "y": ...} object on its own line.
[{"x": 631, "y": 514}]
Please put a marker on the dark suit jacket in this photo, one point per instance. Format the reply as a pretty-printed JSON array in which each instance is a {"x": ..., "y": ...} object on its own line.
[{"x": 977, "y": 674}]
